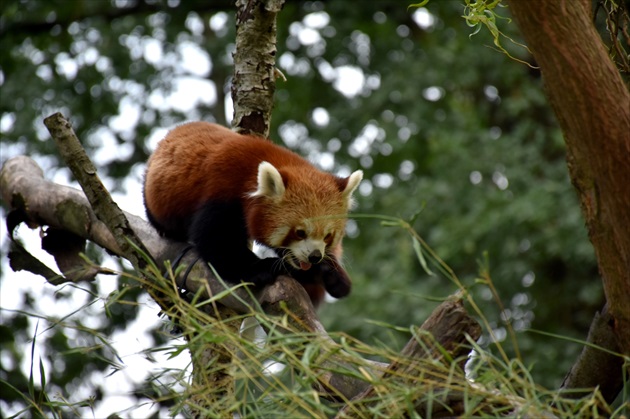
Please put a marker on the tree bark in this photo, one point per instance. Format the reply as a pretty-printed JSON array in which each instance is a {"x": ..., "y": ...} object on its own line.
[
  {"x": 596, "y": 367},
  {"x": 254, "y": 80},
  {"x": 442, "y": 338},
  {"x": 592, "y": 105}
]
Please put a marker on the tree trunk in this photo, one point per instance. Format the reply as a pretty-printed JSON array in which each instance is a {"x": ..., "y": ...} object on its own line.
[
  {"x": 592, "y": 105},
  {"x": 254, "y": 80}
]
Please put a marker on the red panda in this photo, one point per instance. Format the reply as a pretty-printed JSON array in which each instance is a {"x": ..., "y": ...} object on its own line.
[{"x": 220, "y": 190}]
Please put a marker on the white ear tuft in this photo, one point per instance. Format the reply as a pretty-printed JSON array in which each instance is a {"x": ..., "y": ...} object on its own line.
[
  {"x": 270, "y": 183},
  {"x": 353, "y": 182}
]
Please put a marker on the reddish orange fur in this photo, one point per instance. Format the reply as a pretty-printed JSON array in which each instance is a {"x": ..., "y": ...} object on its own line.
[{"x": 199, "y": 161}]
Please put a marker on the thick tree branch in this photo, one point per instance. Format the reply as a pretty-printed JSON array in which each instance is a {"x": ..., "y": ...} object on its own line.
[
  {"x": 442, "y": 338},
  {"x": 24, "y": 187},
  {"x": 592, "y": 105},
  {"x": 597, "y": 367}
]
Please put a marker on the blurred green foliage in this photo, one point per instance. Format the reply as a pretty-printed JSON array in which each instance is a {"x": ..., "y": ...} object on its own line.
[{"x": 441, "y": 123}]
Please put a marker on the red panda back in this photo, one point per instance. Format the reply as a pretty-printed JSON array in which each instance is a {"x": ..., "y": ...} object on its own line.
[
  {"x": 174, "y": 176},
  {"x": 199, "y": 161}
]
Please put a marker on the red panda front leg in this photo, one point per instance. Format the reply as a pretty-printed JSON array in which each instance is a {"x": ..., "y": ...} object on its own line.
[
  {"x": 335, "y": 278},
  {"x": 219, "y": 234},
  {"x": 328, "y": 274}
]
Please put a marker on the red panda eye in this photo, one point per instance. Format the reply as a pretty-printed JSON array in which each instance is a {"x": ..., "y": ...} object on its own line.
[{"x": 301, "y": 234}]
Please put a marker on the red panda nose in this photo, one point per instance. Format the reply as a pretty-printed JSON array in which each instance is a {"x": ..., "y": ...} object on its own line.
[{"x": 315, "y": 256}]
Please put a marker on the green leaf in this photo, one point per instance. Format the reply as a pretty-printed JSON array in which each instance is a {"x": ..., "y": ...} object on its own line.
[{"x": 417, "y": 247}]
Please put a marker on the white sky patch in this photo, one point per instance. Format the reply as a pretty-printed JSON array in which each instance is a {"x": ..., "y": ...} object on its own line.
[
  {"x": 404, "y": 133},
  {"x": 423, "y": 18},
  {"x": 333, "y": 145},
  {"x": 491, "y": 93},
  {"x": 108, "y": 149},
  {"x": 528, "y": 279},
  {"x": 188, "y": 93},
  {"x": 153, "y": 51},
  {"x": 433, "y": 93},
  {"x": 157, "y": 135},
  {"x": 128, "y": 115},
  {"x": 316, "y": 20},
  {"x": 229, "y": 109},
  {"x": 293, "y": 134},
  {"x": 320, "y": 117},
  {"x": 349, "y": 80},
  {"x": 218, "y": 21},
  {"x": 326, "y": 70},
  {"x": 194, "y": 60},
  {"x": 365, "y": 188},
  {"x": 194, "y": 23},
  {"x": 406, "y": 169},
  {"x": 44, "y": 72},
  {"x": 89, "y": 57},
  {"x": 383, "y": 180},
  {"x": 308, "y": 36},
  {"x": 475, "y": 177},
  {"x": 500, "y": 180},
  {"x": 360, "y": 45},
  {"x": 6, "y": 122},
  {"x": 495, "y": 132},
  {"x": 362, "y": 145},
  {"x": 373, "y": 81},
  {"x": 66, "y": 66},
  {"x": 131, "y": 198},
  {"x": 326, "y": 161},
  {"x": 13, "y": 288},
  {"x": 294, "y": 66}
]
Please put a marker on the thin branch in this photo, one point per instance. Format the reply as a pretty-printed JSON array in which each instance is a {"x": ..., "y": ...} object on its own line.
[
  {"x": 100, "y": 200},
  {"x": 29, "y": 27}
]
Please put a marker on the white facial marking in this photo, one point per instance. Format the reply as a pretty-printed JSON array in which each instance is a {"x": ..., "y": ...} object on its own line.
[
  {"x": 303, "y": 248},
  {"x": 277, "y": 237}
]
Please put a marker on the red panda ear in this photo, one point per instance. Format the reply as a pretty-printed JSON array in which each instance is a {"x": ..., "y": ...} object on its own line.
[
  {"x": 353, "y": 181},
  {"x": 270, "y": 183},
  {"x": 348, "y": 185}
]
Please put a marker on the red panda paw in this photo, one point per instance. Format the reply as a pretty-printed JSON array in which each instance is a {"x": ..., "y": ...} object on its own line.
[
  {"x": 329, "y": 274},
  {"x": 260, "y": 279},
  {"x": 335, "y": 279},
  {"x": 264, "y": 272}
]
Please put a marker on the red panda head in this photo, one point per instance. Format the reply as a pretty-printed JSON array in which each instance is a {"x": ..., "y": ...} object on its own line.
[{"x": 301, "y": 210}]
